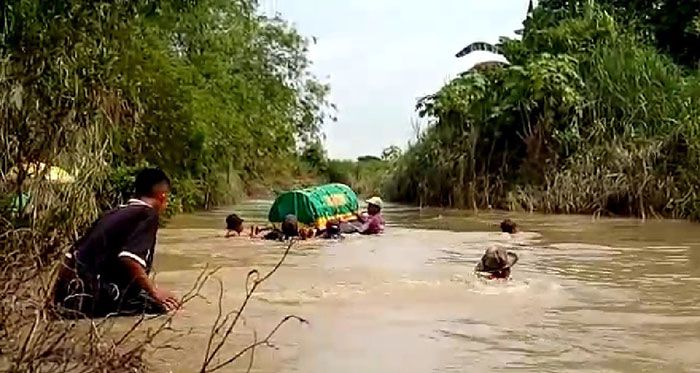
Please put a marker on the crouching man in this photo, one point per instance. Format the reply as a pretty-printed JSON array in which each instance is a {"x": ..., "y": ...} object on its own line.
[{"x": 107, "y": 270}]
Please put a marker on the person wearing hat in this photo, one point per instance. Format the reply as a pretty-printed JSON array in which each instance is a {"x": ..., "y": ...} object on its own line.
[
  {"x": 373, "y": 221},
  {"x": 496, "y": 263}
]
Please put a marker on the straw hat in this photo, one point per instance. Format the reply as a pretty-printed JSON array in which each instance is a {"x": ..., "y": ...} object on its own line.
[{"x": 375, "y": 201}]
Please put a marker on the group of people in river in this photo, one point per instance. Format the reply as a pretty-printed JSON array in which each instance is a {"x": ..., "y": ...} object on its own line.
[
  {"x": 370, "y": 222},
  {"x": 107, "y": 270}
]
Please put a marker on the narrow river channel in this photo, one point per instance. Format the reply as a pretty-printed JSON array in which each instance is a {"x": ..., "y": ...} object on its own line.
[{"x": 606, "y": 295}]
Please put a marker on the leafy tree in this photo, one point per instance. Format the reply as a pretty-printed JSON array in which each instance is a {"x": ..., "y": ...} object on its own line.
[
  {"x": 670, "y": 23},
  {"x": 368, "y": 158},
  {"x": 587, "y": 118},
  {"x": 391, "y": 153},
  {"x": 203, "y": 88},
  {"x": 315, "y": 156}
]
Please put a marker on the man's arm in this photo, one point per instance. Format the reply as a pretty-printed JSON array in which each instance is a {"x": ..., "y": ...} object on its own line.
[
  {"x": 136, "y": 256},
  {"x": 361, "y": 216},
  {"x": 138, "y": 273}
]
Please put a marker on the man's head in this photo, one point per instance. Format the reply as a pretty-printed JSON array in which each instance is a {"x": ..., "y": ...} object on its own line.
[
  {"x": 290, "y": 226},
  {"x": 333, "y": 227},
  {"x": 153, "y": 186},
  {"x": 509, "y": 226},
  {"x": 374, "y": 205},
  {"x": 234, "y": 223}
]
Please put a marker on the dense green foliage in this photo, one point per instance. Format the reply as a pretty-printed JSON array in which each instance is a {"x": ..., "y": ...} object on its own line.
[
  {"x": 672, "y": 25},
  {"x": 209, "y": 90},
  {"x": 588, "y": 118},
  {"x": 366, "y": 175}
]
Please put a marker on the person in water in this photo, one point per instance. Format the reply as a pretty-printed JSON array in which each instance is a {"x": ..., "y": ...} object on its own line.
[
  {"x": 234, "y": 224},
  {"x": 107, "y": 270},
  {"x": 372, "y": 222},
  {"x": 496, "y": 263},
  {"x": 288, "y": 230},
  {"x": 332, "y": 231},
  {"x": 509, "y": 226}
]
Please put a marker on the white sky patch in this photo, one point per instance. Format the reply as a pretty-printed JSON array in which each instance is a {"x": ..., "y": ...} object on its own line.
[{"x": 380, "y": 56}]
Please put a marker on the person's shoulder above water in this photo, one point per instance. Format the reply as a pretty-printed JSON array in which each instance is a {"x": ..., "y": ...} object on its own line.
[{"x": 375, "y": 224}]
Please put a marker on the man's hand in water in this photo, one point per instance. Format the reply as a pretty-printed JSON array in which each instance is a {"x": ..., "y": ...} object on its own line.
[
  {"x": 162, "y": 296},
  {"x": 361, "y": 216},
  {"x": 167, "y": 299}
]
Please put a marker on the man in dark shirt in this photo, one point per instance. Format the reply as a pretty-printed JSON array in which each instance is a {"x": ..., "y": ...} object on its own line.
[{"x": 107, "y": 271}]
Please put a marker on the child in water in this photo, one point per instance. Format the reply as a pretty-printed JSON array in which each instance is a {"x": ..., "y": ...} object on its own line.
[{"x": 496, "y": 263}]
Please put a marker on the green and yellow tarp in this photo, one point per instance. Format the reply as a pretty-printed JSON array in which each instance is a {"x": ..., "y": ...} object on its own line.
[{"x": 315, "y": 206}]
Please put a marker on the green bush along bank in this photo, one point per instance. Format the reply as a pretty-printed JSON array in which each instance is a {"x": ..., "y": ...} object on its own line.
[{"x": 589, "y": 117}]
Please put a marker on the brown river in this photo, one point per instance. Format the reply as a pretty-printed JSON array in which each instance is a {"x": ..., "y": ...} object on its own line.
[{"x": 588, "y": 295}]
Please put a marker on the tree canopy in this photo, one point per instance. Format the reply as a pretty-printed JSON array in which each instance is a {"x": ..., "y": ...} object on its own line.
[{"x": 201, "y": 88}]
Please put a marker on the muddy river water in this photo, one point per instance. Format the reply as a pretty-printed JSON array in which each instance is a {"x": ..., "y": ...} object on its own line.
[{"x": 605, "y": 295}]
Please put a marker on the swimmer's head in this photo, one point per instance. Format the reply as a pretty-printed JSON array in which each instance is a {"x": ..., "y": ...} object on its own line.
[
  {"x": 234, "y": 223},
  {"x": 509, "y": 226},
  {"x": 332, "y": 227},
  {"x": 290, "y": 226}
]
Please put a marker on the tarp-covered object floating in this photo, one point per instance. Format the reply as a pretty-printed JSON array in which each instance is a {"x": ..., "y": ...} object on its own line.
[{"x": 315, "y": 206}]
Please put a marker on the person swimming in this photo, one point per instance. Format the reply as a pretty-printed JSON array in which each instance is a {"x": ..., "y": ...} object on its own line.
[
  {"x": 509, "y": 226},
  {"x": 332, "y": 231},
  {"x": 368, "y": 223},
  {"x": 496, "y": 263},
  {"x": 234, "y": 224},
  {"x": 288, "y": 230}
]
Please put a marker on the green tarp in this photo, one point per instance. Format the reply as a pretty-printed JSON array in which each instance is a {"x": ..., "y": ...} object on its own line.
[{"x": 315, "y": 206}]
